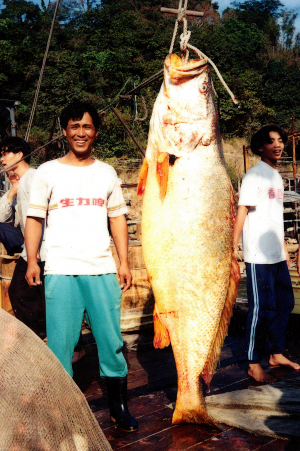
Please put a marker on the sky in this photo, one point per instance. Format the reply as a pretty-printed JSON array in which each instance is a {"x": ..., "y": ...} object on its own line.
[
  {"x": 223, "y": 4},
  {"x": 289, "y": 4}
]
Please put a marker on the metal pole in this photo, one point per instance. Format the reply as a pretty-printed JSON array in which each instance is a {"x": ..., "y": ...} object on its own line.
[{"x": 12, "y": 121}]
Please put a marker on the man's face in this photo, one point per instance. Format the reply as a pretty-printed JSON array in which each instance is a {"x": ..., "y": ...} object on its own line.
[
  {"x": 81, "y": 135},
  {"x": 9, "y": 158},
  {"x": 271, "y": 152}
]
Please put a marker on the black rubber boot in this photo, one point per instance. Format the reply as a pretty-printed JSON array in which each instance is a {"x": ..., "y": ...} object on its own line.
[{"x": 117, "y": 395}]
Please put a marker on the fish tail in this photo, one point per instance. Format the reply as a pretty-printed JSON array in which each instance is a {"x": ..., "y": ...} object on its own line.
[
  {"x": 198, "y": 415},
  {"x": 143, "y": 178},
  {"x": 162, "y": 172},
  {"x": 161, "y": 335},
  {"x": 211, "y": 364}
]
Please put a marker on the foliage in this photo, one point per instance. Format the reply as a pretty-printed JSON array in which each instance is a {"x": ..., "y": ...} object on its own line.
[
  {"x": 233, "y": 177},
  {"x": 99, "y": 49}
]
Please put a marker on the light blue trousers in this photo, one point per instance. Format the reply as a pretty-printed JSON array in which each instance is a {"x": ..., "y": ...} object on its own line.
[{"x": 67, "y": 298}]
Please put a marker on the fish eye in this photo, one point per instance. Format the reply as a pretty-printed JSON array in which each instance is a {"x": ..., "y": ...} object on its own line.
[{"x": 203, "y": 88}]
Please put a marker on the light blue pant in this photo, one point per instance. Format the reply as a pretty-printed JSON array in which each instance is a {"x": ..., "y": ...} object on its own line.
[{"x": 67, "y": 298}]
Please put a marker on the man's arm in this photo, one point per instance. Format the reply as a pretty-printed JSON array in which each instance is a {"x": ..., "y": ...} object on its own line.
[
  {"x": 119, "y": 231},
  {"x": 33, "y": 234},
  {"x": 239, "y": 224},
  {"x": 7, "y": 205}
]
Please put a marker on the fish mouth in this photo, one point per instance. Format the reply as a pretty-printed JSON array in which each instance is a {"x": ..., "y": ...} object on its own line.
[{"x": 180, "y": 71}]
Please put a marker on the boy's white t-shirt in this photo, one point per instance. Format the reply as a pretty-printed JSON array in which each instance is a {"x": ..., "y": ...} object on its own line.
[
  {"x": 76, "y": 203},
  {"x": 263, "y": 231}
]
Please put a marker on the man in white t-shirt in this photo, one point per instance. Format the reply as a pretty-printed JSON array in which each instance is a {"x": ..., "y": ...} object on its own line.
[
  {"x": 269, "y": 288},
  {"x": 76, "y": 195},
  {"x": 27, "y": 303}
]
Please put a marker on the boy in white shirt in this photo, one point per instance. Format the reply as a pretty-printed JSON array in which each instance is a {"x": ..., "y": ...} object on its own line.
[{"x": 269, "y": 288}]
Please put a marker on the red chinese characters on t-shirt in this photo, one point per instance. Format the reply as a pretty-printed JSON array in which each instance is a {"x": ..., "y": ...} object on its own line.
[
  {"x": 273, "y": 192},
  {"x": 81, "y": 201}
]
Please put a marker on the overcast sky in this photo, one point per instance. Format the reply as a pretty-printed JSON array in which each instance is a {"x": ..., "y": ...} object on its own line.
[{"x": 289, "y": 4}]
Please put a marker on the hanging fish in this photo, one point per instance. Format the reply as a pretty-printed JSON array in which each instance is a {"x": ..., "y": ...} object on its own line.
[{"x": 187, "y": 230}]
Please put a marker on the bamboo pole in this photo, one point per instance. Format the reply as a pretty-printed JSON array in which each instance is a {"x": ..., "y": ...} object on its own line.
[
  {"x": 50, "y": 137},
  {"x": 246, "y": 159}
]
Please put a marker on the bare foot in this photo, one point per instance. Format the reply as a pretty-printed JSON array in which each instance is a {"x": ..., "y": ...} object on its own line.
[
  {"x": 78, "y": 355},
  {"x": 256, "y": 371},
  {"x": 279, "y": 359}
]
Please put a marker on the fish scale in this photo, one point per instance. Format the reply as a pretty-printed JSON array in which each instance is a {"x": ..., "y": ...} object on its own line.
[{"x": 187, "y": 230}]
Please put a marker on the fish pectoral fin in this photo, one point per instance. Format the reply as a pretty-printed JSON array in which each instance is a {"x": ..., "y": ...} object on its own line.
[
  {"x": 143, "y": 178},
  {"x": 161, "y": 335},
  {"x": 162, "y": 172}
]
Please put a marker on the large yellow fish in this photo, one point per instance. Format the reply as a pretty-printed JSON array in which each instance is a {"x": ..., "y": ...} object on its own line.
[{"x": 187, "y": 230}]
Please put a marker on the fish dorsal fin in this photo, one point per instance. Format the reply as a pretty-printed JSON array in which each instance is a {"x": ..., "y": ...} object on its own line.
[{"x": 234, "y": 278}]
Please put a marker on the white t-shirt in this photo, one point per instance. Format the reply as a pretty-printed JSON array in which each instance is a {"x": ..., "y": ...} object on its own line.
[
  {"x": 263, "y": 232},
  {"x": 76, "y": 202},
  {"x": 20, "y": 204},
  {"x": 16, "y": 209},
  {"x": 7, "y": 209}
]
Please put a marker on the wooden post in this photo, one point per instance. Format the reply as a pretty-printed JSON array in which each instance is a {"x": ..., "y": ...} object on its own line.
[
  {"x": 246, "y": 158},
  {"x": 294, "y": 150},
  {"x": 295, "y": 175},
  {"x": 175, "y": 11}
]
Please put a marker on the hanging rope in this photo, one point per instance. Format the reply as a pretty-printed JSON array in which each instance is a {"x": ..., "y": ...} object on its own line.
[
  {"x": 203, "y": 56},
  {"x": 141, "y": 119},
  {"x": 184, "y": 45},
  {"x": 181, "y": 17},
  {"x": 41, "y": 76}
]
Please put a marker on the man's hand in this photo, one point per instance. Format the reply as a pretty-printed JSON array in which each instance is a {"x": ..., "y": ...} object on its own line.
[
  {"x": 33, "y": 274},
  {"x": 125, "y": 277},
  {"x": 14, "y": 180},
  {"x": 13, "y": 191}
]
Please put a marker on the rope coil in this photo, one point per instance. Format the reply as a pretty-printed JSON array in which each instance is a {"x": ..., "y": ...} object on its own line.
[{"x": 184, "y": 45}]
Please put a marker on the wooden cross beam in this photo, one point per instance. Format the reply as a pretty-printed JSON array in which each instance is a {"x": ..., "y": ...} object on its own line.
[{"x": 175, "y": 11}]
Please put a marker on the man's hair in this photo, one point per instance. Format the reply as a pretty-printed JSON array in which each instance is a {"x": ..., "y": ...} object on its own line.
[
  {"x": 15, "y": 144},
  {"x": 263, "y": 137},
  {"x": 76, "y": 110}
]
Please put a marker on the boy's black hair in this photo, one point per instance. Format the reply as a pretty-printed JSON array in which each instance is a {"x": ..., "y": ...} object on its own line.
[
  {"x": 76, "y": 110},
  {"x": 15, "y": 144},
  {"x": 262, "y": 137}
]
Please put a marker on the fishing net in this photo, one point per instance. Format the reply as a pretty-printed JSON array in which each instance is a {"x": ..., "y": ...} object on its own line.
[
  {"x": 41, "y": 407},
  {"x": 271, "y": 409}
]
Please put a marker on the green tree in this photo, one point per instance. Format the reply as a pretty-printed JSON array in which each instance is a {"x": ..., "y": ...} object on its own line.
[{"x": 288, "y": 28}]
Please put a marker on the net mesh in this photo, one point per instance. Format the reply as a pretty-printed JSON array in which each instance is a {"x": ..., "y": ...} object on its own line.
[{"x": 41, "y": 407}]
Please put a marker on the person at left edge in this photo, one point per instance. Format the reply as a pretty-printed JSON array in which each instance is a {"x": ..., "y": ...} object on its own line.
[
  {"x": 27, "y": 303},
  {"x": 78, "y": 194}
]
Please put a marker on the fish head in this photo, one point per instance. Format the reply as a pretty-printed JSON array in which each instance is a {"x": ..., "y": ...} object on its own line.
[{"x": 184, "y": 115}]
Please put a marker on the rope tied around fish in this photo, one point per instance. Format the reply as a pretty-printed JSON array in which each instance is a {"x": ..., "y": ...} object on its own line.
[{"x": 184, "y": 45}]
